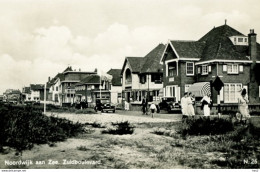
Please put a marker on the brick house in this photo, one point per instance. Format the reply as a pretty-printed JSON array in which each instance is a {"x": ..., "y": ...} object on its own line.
[
  {"x": 62, "y": 86},
  {"x": 223, "y": 52},
  {"x": 88, "y": 89},
  {"x": 142, "y": 77}
]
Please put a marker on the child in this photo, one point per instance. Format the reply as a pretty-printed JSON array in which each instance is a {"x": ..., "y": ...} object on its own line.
[{"x": 153, "y": 108}]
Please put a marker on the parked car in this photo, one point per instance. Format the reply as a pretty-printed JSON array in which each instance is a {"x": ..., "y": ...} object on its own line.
[
  {"x": 170, "y": 104},
  {"x": 104, "y": 106}
]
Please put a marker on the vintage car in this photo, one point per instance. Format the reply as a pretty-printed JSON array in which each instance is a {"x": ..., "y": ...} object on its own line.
[
  {"x": 104, "y": 106},
  {"x": 170, "y": 104}
]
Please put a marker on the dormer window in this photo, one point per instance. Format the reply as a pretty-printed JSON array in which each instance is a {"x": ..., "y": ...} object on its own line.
[{"x": 239, "y": 40}]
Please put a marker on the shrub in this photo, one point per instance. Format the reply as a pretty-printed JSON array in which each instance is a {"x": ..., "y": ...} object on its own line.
[
  {"x": 21, "y": 127},
  {"x": 206, "y": 126},
  {"x": 119, "y": 128}
]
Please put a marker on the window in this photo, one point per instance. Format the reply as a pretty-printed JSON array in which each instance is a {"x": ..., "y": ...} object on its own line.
[
  {"x": 205, "y": 70},
  {"x": 57, "y": 88},
  {"x": 240, "y": 39},
  {"x": 231, "y": 92},
  {"x": 170, "y": 91},
  {"x": 245, "y": 39},
  {"x": 172, "y": 69},
  {"x": 142, "y": 79},
  {"x": 157, "y": 78},
  {"x": 189, "y": 68},
  {"x": 232, "y": 69},
  {"x": 119, "y": 95}
]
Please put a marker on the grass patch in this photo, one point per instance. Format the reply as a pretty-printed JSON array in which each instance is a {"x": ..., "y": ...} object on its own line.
[{"x": 119, "y": 128}]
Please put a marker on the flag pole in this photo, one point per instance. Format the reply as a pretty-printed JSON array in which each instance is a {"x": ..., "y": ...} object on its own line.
[
  {"x": 100, "y": 87},
  {"x": 44, "y": 110}
]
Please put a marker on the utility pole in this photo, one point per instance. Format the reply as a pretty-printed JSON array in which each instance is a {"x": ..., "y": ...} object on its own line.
[{"x": 44, "y": 107}]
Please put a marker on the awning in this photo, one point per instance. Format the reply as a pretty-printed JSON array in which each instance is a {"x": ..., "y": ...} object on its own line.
[{"x": 200, "y": 89}]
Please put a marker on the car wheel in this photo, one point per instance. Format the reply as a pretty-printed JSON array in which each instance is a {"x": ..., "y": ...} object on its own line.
[{"x": 114, "y": 111}]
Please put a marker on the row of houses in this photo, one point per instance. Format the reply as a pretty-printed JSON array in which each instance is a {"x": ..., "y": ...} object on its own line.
[
  {"x": 71, "y": 86},
  {"x": 167, "y": 71},
  {"x": 180, "y": 66}
]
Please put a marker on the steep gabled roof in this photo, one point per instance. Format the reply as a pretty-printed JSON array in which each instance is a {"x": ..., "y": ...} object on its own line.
[
  {"x": 223, "y": 30},
  {"x": 91, "y": 79},
  {"x": 134, "y": 62},
  {"x": 37, "y": 86},
  {"x": 151, "y": 62},
  {"x": 69, "y": 68},
  {"x": 188, "y": 49},
  {"x": 116, "y": 80},
  {"x": 219, "y": 46}
]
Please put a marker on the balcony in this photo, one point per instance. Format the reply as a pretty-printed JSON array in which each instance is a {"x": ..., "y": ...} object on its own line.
[{"x": 69, "y": 91}]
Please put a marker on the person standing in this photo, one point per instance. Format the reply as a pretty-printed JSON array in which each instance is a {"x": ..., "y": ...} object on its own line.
[
  {"x": 190, "y": 108},
  {"x": 144, "y": 105},
  {"x": 152, "y": 108},
  {"x": 206, "y": 101},
  {"x": 184, "y": 106},
  {"x": 243, "y": 106}
]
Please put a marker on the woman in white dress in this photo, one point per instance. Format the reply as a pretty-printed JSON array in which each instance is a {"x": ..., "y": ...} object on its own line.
[
  {"x": 243, "y": 106},
  {"x": 206, "y": 101},
  {"x": 190, "y": 108}
]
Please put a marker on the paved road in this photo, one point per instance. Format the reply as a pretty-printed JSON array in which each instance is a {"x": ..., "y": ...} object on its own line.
[{"x": 131, "y": 116}]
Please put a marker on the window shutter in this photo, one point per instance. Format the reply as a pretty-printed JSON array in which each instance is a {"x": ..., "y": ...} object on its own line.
[
  {"x": 240, "y": 68},
  {"x": 199, "y": 70},
  {"x": 221, "y": 94},
  {"x": 209, "y": 68},
  {"x": 224, "y": 68}
]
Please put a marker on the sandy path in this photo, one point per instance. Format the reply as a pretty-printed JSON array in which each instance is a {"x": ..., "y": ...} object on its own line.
[{"x": 108, "y": 117}]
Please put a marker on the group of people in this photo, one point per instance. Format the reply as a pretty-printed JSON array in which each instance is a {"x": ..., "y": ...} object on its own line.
[
  {"x": 187, "y": 105},
  {"x": 188, "y": 101}
]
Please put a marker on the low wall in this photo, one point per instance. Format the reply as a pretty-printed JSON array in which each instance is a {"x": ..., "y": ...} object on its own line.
[{"x": 227, "y": 109}]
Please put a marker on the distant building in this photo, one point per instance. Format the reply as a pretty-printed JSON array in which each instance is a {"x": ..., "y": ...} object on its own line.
[
  {"x": 35, "y": 92},
  {"x": 116, "y": 86},
  {"x": 92, "y": 88},
  {"x": 62, "y": 86},
  {"x": 12, "y": 95}
]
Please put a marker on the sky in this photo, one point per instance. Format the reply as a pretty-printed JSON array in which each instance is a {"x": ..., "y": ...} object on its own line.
[{"x": 39, "y": 38}]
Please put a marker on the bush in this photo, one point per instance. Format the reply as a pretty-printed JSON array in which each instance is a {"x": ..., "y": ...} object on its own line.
[
  {"x": 119, "y": 128},
  {"x": 206, "y": 126},
  {"x": 21, "y": 127}
]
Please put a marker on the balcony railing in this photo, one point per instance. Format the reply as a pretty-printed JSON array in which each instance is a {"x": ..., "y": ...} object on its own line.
[{"x": 69, "y": 91}]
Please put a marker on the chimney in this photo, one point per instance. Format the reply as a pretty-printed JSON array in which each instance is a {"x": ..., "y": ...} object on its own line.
[
  {"x": 252, "y": 45},
  {"x": 49, "y": 79},
  {"x": 79, "y": 69}
]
